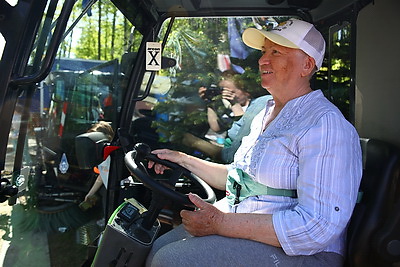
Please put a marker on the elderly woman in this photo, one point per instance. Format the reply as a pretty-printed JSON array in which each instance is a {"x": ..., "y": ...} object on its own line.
[{"x": 293, "y": 184}]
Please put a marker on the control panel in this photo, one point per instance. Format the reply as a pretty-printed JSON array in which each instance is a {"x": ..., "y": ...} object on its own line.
[{"x": 128, "y": 220}]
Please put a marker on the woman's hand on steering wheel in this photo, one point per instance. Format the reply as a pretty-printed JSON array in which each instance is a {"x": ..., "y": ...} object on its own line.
[
  {"x": 161, "y": 160},
  {"x": 166, "y": 154}
]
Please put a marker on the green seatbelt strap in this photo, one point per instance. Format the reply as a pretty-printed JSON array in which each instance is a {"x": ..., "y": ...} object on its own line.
[
  {"x": 240, "y": 186},
  {"x": 228, "y": 142}
]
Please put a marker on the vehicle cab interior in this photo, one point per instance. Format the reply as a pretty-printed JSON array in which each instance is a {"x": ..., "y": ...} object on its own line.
[{"x": 67, "y": 65}]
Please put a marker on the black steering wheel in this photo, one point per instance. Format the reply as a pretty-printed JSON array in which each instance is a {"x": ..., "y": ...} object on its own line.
[{"x": 134, "y": 162}]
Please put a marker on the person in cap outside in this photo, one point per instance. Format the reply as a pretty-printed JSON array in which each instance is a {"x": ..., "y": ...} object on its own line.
[{"x": 293, "y": 184}]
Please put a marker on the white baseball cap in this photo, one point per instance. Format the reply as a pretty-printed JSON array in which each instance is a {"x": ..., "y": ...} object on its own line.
[{"x": 292, "y": 33}]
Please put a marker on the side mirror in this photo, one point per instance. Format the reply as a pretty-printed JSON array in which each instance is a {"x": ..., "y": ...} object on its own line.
[{"x": 89, "y": 149}]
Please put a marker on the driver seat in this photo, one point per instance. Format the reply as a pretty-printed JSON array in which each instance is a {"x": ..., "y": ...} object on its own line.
[{"x": 374, "y": 229}]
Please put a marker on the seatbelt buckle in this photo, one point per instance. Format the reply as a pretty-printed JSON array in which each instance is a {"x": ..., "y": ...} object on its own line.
[{"x": 238, "y": 187}]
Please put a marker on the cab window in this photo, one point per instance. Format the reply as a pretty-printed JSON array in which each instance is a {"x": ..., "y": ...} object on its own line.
[
  {"x": 335, "y": 76},
  {"x": 86, "y": 85}
]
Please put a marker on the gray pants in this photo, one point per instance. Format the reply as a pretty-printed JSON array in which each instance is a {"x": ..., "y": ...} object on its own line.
[{"x": 179, "y": 248}]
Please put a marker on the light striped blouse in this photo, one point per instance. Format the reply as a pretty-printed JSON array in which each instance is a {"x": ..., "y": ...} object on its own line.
[{"x": 312, "y": 148}]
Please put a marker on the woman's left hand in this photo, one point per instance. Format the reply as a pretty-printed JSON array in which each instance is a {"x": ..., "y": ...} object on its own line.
[{"x": 205, "y": 220}]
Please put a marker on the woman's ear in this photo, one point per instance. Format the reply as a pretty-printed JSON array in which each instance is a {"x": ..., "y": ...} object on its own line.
[{"x": 308, "y": 67}]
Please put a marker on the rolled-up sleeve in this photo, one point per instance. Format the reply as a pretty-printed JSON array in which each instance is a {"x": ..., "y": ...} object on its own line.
[{"x": 330, "y": 170}]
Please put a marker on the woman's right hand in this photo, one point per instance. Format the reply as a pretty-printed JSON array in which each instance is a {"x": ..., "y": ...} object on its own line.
[{"x": 170, "y": 155}]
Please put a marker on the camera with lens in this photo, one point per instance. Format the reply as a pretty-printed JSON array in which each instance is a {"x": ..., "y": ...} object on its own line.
[{"x": 211, "y": 92}]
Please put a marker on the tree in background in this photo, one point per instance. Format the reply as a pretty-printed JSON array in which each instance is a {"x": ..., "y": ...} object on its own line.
[
  {"x": 334, "y": 78},
  {"x": 102, "y": 34}
]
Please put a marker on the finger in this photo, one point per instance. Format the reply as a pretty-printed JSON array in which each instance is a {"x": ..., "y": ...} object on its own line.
[
  {"x": 159, "y": 169},
  {"x": 163, "y": 153},
  {"x": 159, "y": 151},
  {"x": 184, "y": 214},
  {"x": 187, "y": 216},
  {"x": 228, "y": 91},
  {"x": 150, "y": 164},
  {"x": 197, "y": 201},
  {"x": 228, "y": 96}
]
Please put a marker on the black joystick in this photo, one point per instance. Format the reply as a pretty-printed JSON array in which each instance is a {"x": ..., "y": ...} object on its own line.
[{"x": 142, "y": 150}]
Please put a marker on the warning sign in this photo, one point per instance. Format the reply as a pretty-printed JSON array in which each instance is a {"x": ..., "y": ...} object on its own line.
[{"x": 153, "y": 56}]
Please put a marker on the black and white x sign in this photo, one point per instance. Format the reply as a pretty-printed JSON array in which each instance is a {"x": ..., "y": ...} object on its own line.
[{"x": 153, "y": 56}]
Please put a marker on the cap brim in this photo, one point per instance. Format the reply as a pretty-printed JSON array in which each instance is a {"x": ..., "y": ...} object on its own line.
[{"x": 255, "y": 38}]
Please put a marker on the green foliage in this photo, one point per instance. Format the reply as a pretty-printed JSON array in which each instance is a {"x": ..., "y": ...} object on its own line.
[
  {"x": 195, "y": 46},
  {"x": 102, "y": 36},
  {"x": 336, "y": 83},
  {"x": 179, "y": 119}
]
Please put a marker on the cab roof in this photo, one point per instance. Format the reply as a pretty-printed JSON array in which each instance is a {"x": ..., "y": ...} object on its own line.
[{"x": 152, "y": 11}]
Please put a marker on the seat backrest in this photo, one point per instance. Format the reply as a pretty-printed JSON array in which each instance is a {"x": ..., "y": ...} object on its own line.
[{"x": 374, "y": 230}]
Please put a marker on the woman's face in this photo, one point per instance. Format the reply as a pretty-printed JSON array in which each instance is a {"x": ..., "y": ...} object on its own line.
[{"x": 280, "y": 67}]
